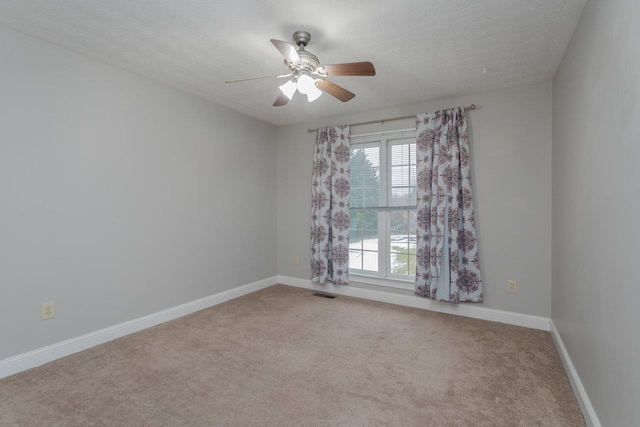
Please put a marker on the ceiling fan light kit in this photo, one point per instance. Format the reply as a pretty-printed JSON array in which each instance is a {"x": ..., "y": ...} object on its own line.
[
  {"x": 305, "y": 84},
  {"x": 304, "y": 66}
]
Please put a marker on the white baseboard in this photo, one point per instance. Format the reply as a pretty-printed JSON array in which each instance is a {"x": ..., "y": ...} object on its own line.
[
  {"x": 466, "y": 310},
  {"x": 588, "y": 412},
  {"x": 32, "y": 359},
  {"x": 43, "y": 355}
]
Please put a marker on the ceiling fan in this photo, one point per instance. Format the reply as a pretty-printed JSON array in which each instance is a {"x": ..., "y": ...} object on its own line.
[{"x": 308, "y": 76}]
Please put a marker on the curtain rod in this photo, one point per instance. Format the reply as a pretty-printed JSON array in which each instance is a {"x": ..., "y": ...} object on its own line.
[{"x": 468, "y": 107}]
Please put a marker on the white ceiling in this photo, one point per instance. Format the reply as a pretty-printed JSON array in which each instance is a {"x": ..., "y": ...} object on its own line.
[{"x": 422, "y": 49}]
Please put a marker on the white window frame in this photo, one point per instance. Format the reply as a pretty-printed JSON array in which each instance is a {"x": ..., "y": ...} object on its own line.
[{"x": 384, "y": 277}]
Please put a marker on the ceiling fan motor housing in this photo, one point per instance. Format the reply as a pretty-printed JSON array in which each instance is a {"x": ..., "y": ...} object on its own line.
[{"x": 309, "y": 61}]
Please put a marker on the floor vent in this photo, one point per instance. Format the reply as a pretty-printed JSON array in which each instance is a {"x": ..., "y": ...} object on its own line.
[{"x": 318, "y": 294}]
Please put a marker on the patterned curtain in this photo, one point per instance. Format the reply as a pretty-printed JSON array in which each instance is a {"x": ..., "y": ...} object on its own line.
[
  {"x": 447, "y": 267},
  {"x": 330, "y": 206}
]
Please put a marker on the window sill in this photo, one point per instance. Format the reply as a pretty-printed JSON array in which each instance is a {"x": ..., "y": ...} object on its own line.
[{"x": 380, "y": 281}]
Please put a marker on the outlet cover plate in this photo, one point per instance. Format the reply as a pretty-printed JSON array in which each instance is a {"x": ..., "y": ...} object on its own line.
[
  {"x": 512, "y": 286},
  {"x": 48, "y": 310}
]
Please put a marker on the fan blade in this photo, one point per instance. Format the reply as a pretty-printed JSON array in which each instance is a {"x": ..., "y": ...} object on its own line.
[
  {"x": 288, "y": 51},
  {"x": 260, "y": 77},
  {"x": 350, "y": 69},
  {"x": 334, "y": 90},
  {"x": 281, "y": 100}
]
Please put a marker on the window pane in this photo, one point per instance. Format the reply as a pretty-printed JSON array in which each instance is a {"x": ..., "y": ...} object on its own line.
[
  {"x": 356, "y": 153},
  {"x": 370, "y": 242},
  {"x": 355, "y": 238},
  {"x": 399, "y": 243},
  {"x": 373, "y": 155},
  {"x": 413, "y": 197},
  {"x": 370, "y": 261},
  {"x": 400, "y": 176},
  {"x": 365, "y": 176},
  {"x": 356, "y": 194},
  {"x": 400, "y": 154},
  {"x": 412, "y": 264},
  {"x": 363, "y": 243},
  {"x": 371, "y": 175},
  {"x": 370, "y": 222},
  {"x": 355, "y": 259},
  {"x": 399, "y": 221},
  {"x": 371, "y": 197},
  {"x": 413, "y": 221},
  {"x": 400, "y": 263},
  {"x": 403, "y": 173},
  {"x": 402, "y": 242},
  {"x": 403, "y": 262},
  {"x": 400, "y": 196},
  {"x": 355, "y": 220}
]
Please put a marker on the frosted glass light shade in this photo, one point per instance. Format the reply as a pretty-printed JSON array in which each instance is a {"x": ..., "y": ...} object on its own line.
[
  {"x": 307, "y": 86},
  {"x": 314, "y": 94},
  {"x": 288, "y": 89}
]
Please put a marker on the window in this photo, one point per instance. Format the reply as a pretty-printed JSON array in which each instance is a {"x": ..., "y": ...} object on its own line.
[{"x": 382, "y": 239}]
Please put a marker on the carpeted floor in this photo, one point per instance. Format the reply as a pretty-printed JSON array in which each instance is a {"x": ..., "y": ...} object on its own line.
[{"x": 282, "y": 357}]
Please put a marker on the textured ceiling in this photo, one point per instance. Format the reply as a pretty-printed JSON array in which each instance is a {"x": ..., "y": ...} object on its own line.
[{"x": 422, "y": 49}]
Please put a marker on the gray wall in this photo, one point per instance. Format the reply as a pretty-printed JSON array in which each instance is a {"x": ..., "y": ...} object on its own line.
[
  {"x": 596, "y": 206},
  {"x": 120, "y": 197},
  {"x": 511, "y": 149}
]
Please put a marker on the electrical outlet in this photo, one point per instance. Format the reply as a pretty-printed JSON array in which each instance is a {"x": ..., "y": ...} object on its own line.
[
  {"x": 295, "y": 260},
  {"x": 512, "y": 286},
  {"x": 48, "y": 310}
]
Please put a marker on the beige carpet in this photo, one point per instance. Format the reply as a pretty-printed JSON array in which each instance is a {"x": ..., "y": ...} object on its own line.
[{"x": 282, "y": 357}]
